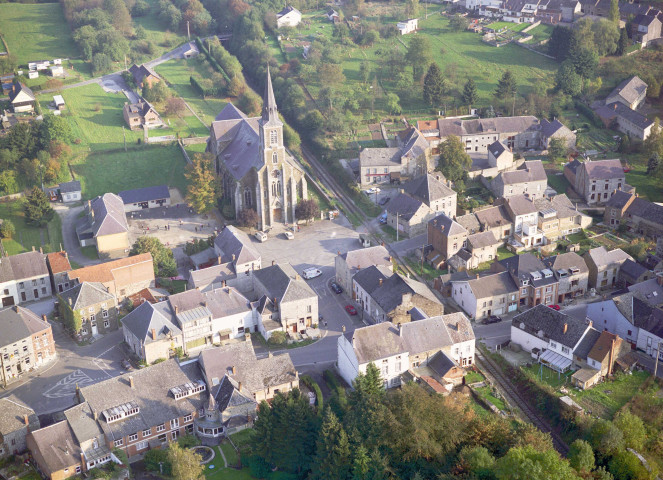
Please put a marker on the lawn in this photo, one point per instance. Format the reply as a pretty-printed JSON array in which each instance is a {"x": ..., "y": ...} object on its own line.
[
  {"x": 514, "y": 27},
  {"x": 503, "y": 253},
  {"x": 155, "y": 31},
  {"x": 540, "y": 33},
  {"x": 607, "y": 398},
  {"x": 558, "y": 182},
  {"x": 647, "y": 186},
  {"x": 139, "y": 167},
  {"x": 27, "y": 236},
  {"x": 178, "y": 73},
  {"x": 487, "y": 394},
  {"x": 36, "y": 32},
  {"x": 474, "y": 377},
  {"x": 545, "y": 375},
  {"x": 231, "y": 454},
  {"x": 96, "y": 118}
]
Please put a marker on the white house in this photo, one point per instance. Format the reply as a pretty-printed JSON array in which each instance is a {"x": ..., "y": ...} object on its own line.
[
  {"x": 143, "y": 198},
  {"x": 288, "y": 17},
  {"x": 408, "y": 26},
  {"x": 481, "y": 297},
  {"x": 613, "y": 315},
  {"x": 365, "y": 282},
  {"x": 650, "y": 333},
  {"x": 232, "y": 315}
]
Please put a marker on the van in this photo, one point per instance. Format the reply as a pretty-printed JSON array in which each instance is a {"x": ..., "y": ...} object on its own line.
[{"x": 261, "y": 236}]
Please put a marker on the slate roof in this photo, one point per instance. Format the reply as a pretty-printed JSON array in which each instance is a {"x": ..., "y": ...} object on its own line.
[
  {"x": 469, "y": 222},
  {"x": 497, "y": 148},
  {"x": 286, "y": 11},
  {"x": 551, "y": 323},
  {"x": 109, "y": 217},
  {"x": 82, "y": 422},
  {"x": 414, "y": 144},
  {"x": 652, "y": 212},
  {"x": 587, "y": 343},
  {"x": 103, "y": 272},
  {"x": 565, "y": 261},
  {"x": 87, "y": 294},
  {"x": 139, "y": 109},
  {"x": 573, "y": 165},
  {"x": 653, "y": 323},
  {"x": 481, "y": 240},
  {"x": 281, "y": 281},
  {"x": 215, "y": 274},
  {"x": 160, "y": 192},
  {"x": 146, "y": 317},
  {"x": 632, "y": 269},
  {"x": 428, "y": 189},
  {"x": 379, "y": 157},
  {"x": 69, "y": 187},
  {"x": 446, "y": 225},
  {"x": 548, "y": 128},
  {"x": 369, "y": 278},
  {"x": 12, "y": 415},
  {"x": 223, "y": 302},
  {"x": 619, "y": 199},
  {"x": 365, "y": 257},
  {"x": 521, "y": 205},
  {"x": 232, "y": 241},
  {"x": 449, "y": 126},
  {"x": 390, "y": 294},
  {"x": 649, "y": 290},
  {"x": 493, "y": 217},
  {"x": 21, "y": 88},
  {"x": 618, "y": 109},
  {"x": 230, "y": 112},
  {"x": 57, "y": 446},
  {"x": 644, "y": 20},
  {"x": 602, "y": 257},
  {"x": 491, "y": 285},
  {"x": 142, "y": 71},
  {"x": 524, "y": 265},
  {"x": 17, "y": 323},
  {"x": 22, "y": 266},
  {"x": 405, "y": 206},
  {"x": 436, "y": 332},
  {"x": 376, "y": 341},
  {"x": 533, "y": 171},
  {"x": 630, "y": 89}
]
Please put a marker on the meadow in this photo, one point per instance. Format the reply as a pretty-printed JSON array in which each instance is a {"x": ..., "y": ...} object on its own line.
[{"x": 27, "y": 236}]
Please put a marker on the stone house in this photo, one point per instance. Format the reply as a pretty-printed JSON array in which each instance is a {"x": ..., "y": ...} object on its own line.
[
  {"x": 639, "y": 215},
  {"x": 234, "y": 249},
  {"x": 397, "y": 296},
  {"x": 536, "y": 283},
  {"x": 618, "y": 116},
  {"x": 408, "y": 215},
  {"x": 530, "y": 180},
  {"x": 597, "y": 180},
  {"x": 497, "y": 220},
  {"x": 214, "y": 276},
  {"x": 558, "y": 217},
  {"x": 144, "y": 75},
  {"x": 572, "y": 274},
  {"x": 24, "y": 278},
  {"x": 632, "y": 273},
  {"x": 556, "y": 129},
  {"x": 646, "y": 29},
  {"x": 97, "y": 307},
  {"x": 365, "y": 282},
  {"x": 152, "y": 332},
  {"x": 105, "y": 226},
  {"x": 55, "y": 451},
  {"x": 446, "y": 236},
  {"x": 483, "y": 247},
  {"x": 605, "y": 352},
  {"x": 144, "y": 198},
  {"x": 604, "y": 266},
  {"x": 141, "y": 115},
  {"x": 350, "y": 263},
  {"x": 122, "y": 277},
  {"x": 432, "y": 191},
  {"x": 288, "y": 17},
  {"x": 631, "y": 92},
  {"x": 481, "y": 297},
  {"x": 16, "y": 420}
]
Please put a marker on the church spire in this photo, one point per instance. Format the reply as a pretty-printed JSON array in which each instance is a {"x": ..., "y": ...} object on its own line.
[{"x": 269, "y": 110}]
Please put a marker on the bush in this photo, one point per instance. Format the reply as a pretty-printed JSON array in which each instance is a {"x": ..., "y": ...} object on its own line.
[
  {"x": 258, "y": 467},
  {"x": 155, "y": 457},
  {"x": 277, "y": 338},
  {"x": 313, "y": 385},
  {"x": 121, "y": 456},
  {"x": 7, "y": 230},
  {"x": 188, "y": 441}
]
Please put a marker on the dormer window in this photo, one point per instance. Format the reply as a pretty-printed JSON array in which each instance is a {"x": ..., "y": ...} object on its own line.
[
  {"x": 123, "y": 411},
  {"x": 188, "y": 389}
]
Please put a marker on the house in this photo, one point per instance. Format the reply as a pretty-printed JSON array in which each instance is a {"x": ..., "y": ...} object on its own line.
[
  {"x": 446, "y": 236},
  {"x": 554, "y": 334},
  {"x": 604, "y": 266},
  {"x": 434, "y": 193},
  {"x": 482, "y": 297},
  {"x": 408, "y": 215},
  {"x": 332, "y": 16},
  {"x": 556, "y": 129},
  {"x": 630, "y": 93},
  {"x": 21, "y": 98},
  {"x": 631, "y": 273},
  {"x": 122, "y": 277},
  {"x": 57, "y": 71},
  {"x": 234, "y": 247},
  {"x": 558, "y": 217},
  {"x": 603, "y": 356},
  {"x": 144, "y": 75},
  {"x": 26, "y": 343},
  {"x": 639, "y": 215},
  {"x": 97, "y": 307},
  {"x": 597, "y": 180},
  {"x": 296, "y": 303},
  {"x": 214, "y": 276},
  {"x": 141, "y": 115},
  {"x": 152, "y": 332},
  {"x": 348, "y": 264},
  {"x": 497, "y": 220},
  {"x": 649, "y": 291},
  {"x": 58, "y": 266},
  {"x": 70, "y": 191},
  {"x": 572, "y": 274},
  {"x": 105, "y": 226},
  {"x": 536, "y": 283},
  {"x": 618, "y": 315},
  {"x": 499, "y": 156},
  {"x": 408, "y": 26},
  {"x": 288, "y": 17},
  {"x": 255, "y": 169},
  {"x": 143, "y": 198},
  {"x": 395, "y": 349},
  {"x": 479, "y": 248},
  {"x": 646, "y": 29},
  {"x": 411, "y": 159},
  {"x": 365, "y": 282},
  {"x": 24, "y": 278},
  {"x": 55, "y": 452},
  {"x": 650, "y": 333},
  {"x": 516, "y": 133},
  {"x": 16, "y": 420},
  {"x": 398, "y": 299},
  {"x": 617, "y": 115},
  {"x": 530, "y": 180}
]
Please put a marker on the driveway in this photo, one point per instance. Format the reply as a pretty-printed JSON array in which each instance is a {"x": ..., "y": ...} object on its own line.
[{"x": 69, "y": 216}]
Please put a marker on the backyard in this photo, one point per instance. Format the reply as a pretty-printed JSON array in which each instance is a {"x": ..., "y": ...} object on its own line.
[
  {"x": 28, "y": 236},
  {"x": 36, "y": 32},
  {"x": 606, "y": 398}
]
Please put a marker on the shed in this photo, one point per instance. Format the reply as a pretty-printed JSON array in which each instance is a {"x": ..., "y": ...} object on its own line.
[
  {"x": 585, "y": 378},
  {"x": 58, "y": 100}
]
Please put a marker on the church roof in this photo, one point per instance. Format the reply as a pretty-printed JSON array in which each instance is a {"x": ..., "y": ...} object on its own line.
[
  {"x": 230, "y": 112},
  {"x": 270, "y": 115}
]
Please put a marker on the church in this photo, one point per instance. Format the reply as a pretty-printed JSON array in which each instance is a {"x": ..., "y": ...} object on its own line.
[{"x": 256, "y": 170}]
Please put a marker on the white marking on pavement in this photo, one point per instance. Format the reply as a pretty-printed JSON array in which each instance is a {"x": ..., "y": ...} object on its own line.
[{"x": 66, "y": 386}]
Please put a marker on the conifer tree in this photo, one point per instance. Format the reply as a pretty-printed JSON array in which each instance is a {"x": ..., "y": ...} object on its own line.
[
  {"x": 433, "y": 85},
  {"x": 37, "y": 208},
  {"x": 332, "y": 451},
  {"x": 469, "y": 93}
]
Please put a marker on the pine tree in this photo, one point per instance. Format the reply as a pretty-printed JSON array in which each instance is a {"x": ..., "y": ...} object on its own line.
[
  {"x": 469, "y": 93},
  {"x": 361, "y": 464},
  {"x": 263, "y": 432},
  {"x": 506, "y": 87},
  {"x": 613, "y": 13},
  {"x": 433, "y": 85},
  {"x": 369, "y": 383},
  {"x": 622, "y": 44},
  {"x": 653, "y": 163},
  {"x": 332, "y": 451},
  {"x": 37, "y": 208}
]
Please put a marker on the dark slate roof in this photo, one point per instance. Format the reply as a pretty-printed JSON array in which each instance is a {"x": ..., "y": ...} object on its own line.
[
  {"x": 458, "y": 127},
  {"x": 286, "y": 10},
  {"x": 551, "y": 323},
  {"x": 630, "y": 89},
  {"x": 446, "y": 225},
  {"x": 57, "y": 446},
  {"x": 365, "y": 257},
  {"x": 87, "y": 294},
  {"x": 68, "y": 187},
  {"x": 441, "y": 364},
  {"x": 12, "y": 413},
  {"x": 523, "y": 265},
  {"x": 20, "y": 88},
  {"x": 240, "y": 141},
  {"x": 145, "y": 194},
  {"x": 644, "y": 20},
  {"x": 141, "y": 72},
  {"x": 587, "y": 343},
  {"x": 281, "y": 281},
  {"x": 548, "y": 128},
  {"x": 405, "y": 206},
  {"x": 482, "y": 239},
  {"x": 109, "y": 217},
  {"x": 427, "y": 188},
  {"x": 369, "y": 278},
  {"x": 414, "y": 144},
  {"x": 645, "y": 209},
  {"x": 532, "y": 171},
  {"x": 496, "y": 148},
  {"x": 232, "y": 241},
  {"x": 604, "y": 169},
  {"x": 21, "y": 266},
  {"x": 230, "y": 112},
  {"x": 146, "y": 317},
  {"x": 17, "y": 323},
  {"x": 379, "y": 157},
  {"x": 632, "y": 269},
  {"x": 376, "y": 341},
  {"x": 493, "y": 217},
  {"x": 573, "y": 165},
  {"x": 491, "y": 285},
  {"x": 619, "y": 199},
  {"x": 618, "y": 109},
  {"x": 390, "y": 294}
]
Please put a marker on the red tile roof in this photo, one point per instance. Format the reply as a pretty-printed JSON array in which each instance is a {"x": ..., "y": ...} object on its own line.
[{"x": 59, "y": 262}]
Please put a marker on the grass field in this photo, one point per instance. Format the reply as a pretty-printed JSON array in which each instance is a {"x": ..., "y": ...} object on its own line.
[
  {"x": 605, "y": 399},
  {"x": 540, "y": 33},
  {"x": 96, "y": 117},
  {"x": 36, "y": 32},
  {"x": 155, "y": 31},
  {"x": 140, "y": 167},
  {"x": 27, "y": 236},
  {"x": 177, "y": 73},
  {"x": 514, "y": 27}
]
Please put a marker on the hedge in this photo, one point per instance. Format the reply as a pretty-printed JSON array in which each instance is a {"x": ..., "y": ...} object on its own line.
[
  {"x": 589, "y": 113},
  {"x": 313, "y": 385},
  {"x": 212, "y": 60}
]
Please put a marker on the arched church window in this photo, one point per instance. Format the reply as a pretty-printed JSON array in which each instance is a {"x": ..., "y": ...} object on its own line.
[
  {"x": 276, "y": 188},
  {"x": 275, "y": 157},
  {"x": 247, "y": 197},
  {"x": 273, "y": 137}
]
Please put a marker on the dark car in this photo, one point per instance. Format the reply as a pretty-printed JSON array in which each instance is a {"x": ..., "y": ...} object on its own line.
[
  {"x": 336, "y": 287},
  {"x": 351, "y": 310},
  {"x": 384, "y": 200},
  {"x": 492, "y": 319}
]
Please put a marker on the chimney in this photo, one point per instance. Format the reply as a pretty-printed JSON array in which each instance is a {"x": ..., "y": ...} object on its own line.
[
  {"x": 78, "y": 393},
  {"x": 70, "y": 304},
  {"x": 400, "y": 330},
  {"x": 297, "y": 276},
  {"x": 218, "y": 260},
  {"x": 66, "y": 255},
  {"x": 26, "y": 419},
  {"x": 233, "y": 257},
  {"x": 177, "y": 309},
  {"x": 44, "y": 318},
  {"x": 477, "y": 276},
  {"x": 276, "y": 305},
  {"x": 590, "y": 323},
  {"x": 239, "y": 386},
  {"x": 131, "y": 382},
  {"x": 343, "y": 329},
  {"x": 82, "y": 459},
  {"x": 273, "y": 262},
  {"x": 458, "y": 326},
  {"x": 389, "y": 258},
  {"x": 611, "y": 357},
  {"x": 154, "y": 334},
  {"x": 33, "y": 248},
  {"x": 615, "y": 106},
  {"x": 382, "y": 244},
  {"x": 41, "y": 250},
  {"x": 270, "y": 354},
  {"x": 566, "y": 327},
  {"x": 223, "y": 283},
  {"x": 234, "y": 370},
  {"x": 205, "y": 304},
  {"x": 380, "y": 282},
  {"x": 338, "y": 252},
  {"x": 95, "y": 415}
]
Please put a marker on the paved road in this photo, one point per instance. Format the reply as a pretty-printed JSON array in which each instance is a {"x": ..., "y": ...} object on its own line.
[{"x": 69, "y": 216}]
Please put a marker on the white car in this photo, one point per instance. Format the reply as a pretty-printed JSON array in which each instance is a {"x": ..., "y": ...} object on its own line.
[
  {"x": 310, "y": 273},
  {"x": 261, "y": 236},
  {"x": 372, "y": 190},
  {"x": 289, "y": 235}
]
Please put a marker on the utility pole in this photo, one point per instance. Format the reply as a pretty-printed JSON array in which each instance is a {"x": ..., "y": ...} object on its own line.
[
  {"x": 397, "y": 226},
  {"x": 124, "y": 134},
  {"x": 188, "y": 34},
  {"x": 422, "y": 259},
  {"x": 125, "y": 61},
  {"x": 658, "y": 350}
]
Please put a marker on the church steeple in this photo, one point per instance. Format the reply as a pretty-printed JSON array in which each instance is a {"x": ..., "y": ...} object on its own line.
[{"x": 270, "y": 113}]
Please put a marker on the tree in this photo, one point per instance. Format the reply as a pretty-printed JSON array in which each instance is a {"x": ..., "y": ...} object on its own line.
[
  {"x": 585, "y": 62},
  {"x": 626, "y": 466},
  {"x": 157, "y": 461},
  {"x": 653, "y": 163},
  {"x": 477, "y": 460},
  {"x": 433, "y": 85},
  {"x": 175, "y": 106},
  {"x": 37, "y": 208},
  {"x": 581, "y": 456},
  {"x": 411, "y": 8},
  {"x": 70, "y": 317},
  {"x": 393, "y": 104},
  {"x": 370, "y": 37},
  {"x": 54, "y": 128},
  {"x": 469, "y": 94},
  {"x": 556, "y": 149},
  {"x": 331, "y": 74},
  {"x": 332, "y": 451},
  {"x": 203, "y": 188},
  {"x": 458, "y": 23},
  {"x": 526, "y": 463},
  {"x": 307, "y": 210},
  {"x": 606, "y": 36},
  {"x": 632, "y": 428},
  {"x": 157, "y": 93},
  {"x": 613, "y": 13},
  {"x": 248, "y": 217},
  {"x": 622, "y": 43},
  {"x": 8, "y": 183},
  {"x": 185, "y": 463},
  {"x": 100, "y": 63},
  {"x": 454, "y": 160},
  {"x": 606, "y": 438},
  {"x": 419, "y": 55},
  {"x": 567, "y": 80},
  {"x": 506, "y": 87},
  {"x": 164, "y": 261},
  {"x": 559, "y": 43},
  {"x": 7, "y": 229}
]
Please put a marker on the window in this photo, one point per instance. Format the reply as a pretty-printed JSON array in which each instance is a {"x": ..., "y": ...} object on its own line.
[
  {"x": 43, "y": 290},
  {"x": 147, "y": 433},
  {"x": 275, "y": 158},
  {"x": 161, "y": 428},
  {"x": 133, "y": 437},
  {"x": 565, "y": 350},
  {"x": 21, "y": 285},
  {"x": 273, "y": 137},
  {"x": 141, "y": 445},
  {"x": 308, "y": 308},
  {"x": 25, "y": 348},
  {"x": 174, "y": 423},
  {"x": 78, "y": 469},
  {"x": 629, "y": 333},
  {"x": 163, "y": 438},
  {"x": 188, "y": 418},
  {"x": 34, "y": 283},
  {"x": 553, "y": 345},
  {"x": 119, "y": 443}
]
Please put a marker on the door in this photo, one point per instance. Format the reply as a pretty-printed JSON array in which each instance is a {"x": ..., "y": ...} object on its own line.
[
  {"x": 36, "y": 293},
  {"x": 7, "y": 301},
  {"x": 95, "y": 330},
  {"x": 498, "y": 311},
  {"x": 294, "y": 328},
  {"x": 513, "y": 307},
  {"x": 23, "y": 298},
  {"x": 277, "y": 214}
]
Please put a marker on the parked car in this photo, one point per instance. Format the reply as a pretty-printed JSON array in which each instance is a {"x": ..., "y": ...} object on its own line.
[
  {"x": 383, "y": 218},
  {"x": 384, "y": 200},
  {"x": 289, "y": 235},
  {"x": 311, "y": 272},
  {"x": 127, "y": 365},
  {"x": 372, "y": 190},
  {"x": 492, "y": 319},
  {"x": 351, "y": 310},
  {"x": 261, "y": 236},
  {"x": 336, "y": 287},
  {"x": 555, "y": 307}
]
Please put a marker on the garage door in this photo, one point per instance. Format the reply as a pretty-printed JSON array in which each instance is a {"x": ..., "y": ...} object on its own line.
[
  {"x": 7, "y": 301},
  {"x": 498, "y": 311},
  {"x": 513, "y": 308}
]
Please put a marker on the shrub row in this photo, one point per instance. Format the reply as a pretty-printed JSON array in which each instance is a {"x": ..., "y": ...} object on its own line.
[
  {"x": 212, "y": 60},
  {"x": 313, "y": 385}
]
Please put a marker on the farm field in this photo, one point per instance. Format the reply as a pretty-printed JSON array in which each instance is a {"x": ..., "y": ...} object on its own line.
[
  {"x": 28, "y": 236},
  {"x": 36, "y": 32},
  {"x": 139, "y": 167},
  {"x": 177, "y": 73}
]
